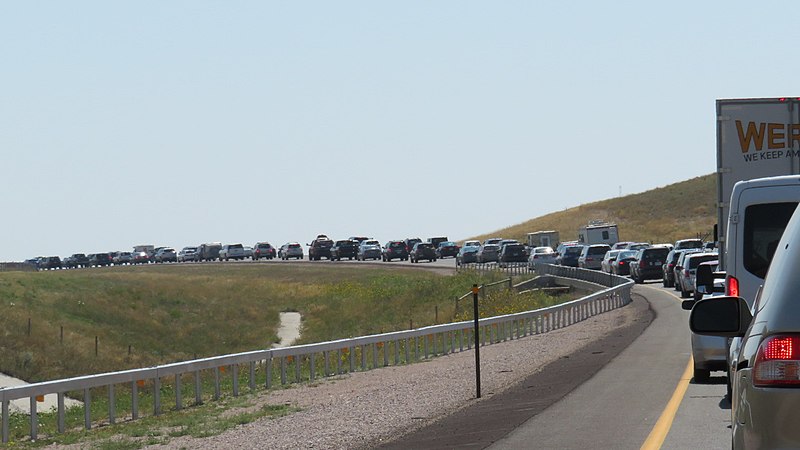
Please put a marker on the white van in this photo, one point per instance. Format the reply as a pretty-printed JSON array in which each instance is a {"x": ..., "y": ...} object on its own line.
[{"x": 759, "y": 211}]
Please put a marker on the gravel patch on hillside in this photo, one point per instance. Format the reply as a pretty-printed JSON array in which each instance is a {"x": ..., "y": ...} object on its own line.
[{"x": 364, "y": 409}]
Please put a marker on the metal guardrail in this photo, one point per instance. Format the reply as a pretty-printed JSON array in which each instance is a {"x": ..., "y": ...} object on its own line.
[
  {"x": 416, "y": 344},
  {"x": 517, "y": 268},
  {"x": 17, "y": 266}
]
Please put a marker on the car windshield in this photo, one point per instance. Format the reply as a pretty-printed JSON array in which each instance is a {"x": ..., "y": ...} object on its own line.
[
  {"x": 598, "y": 250},
  {"x": 372, "y": 243},
  {"x": 396, "y": 244},
  {"x": 626, "y": 254},
  {"x": 572, "y": 251},
  {"x": 764, "y": 225}
]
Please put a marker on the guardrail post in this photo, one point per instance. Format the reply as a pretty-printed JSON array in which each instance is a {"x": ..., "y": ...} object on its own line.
[
  {"x": 178, "y": 393},
  {"x": 87, "y": 408},
  {"x": 216, "y": 383},
  {"x": 60, "y": 413},
  {"x": 312, "y": 369},
  {"x": 252, "y": 380},
  {"x": 157, "y": 396},
  {"x": 112, "y": 405},
  {"x": 268, "y": 370},
  {"x": 352, "y": 357},
  {"x": 363, "y": 358},
  {"x": 5, "y": 421},
  {"x": 34, "y": 417},
  {"x": 235, "y": 375},
  {"x": 134, "y": 400},
  {"x": 297, "y": 361},
  {"x": 198, "y": 397}
]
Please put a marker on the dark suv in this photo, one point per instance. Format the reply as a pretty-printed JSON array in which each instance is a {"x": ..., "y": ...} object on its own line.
[
  {"x": 512, "y": 253},
  {"x": 447, "y": 248},
  {"x": 100, "y": 259},
  {"x": 394, "y": 250},
  {"x": 344, "y": 249},
  {"x": 422, "y": 250},
  {"x": 649, "y": 264},
  {"x": 263, "y": 250},
  {"x": 320, "y": 248},
  {"x": 50, "y": 262},
  {"x": 76, "y": 260}
]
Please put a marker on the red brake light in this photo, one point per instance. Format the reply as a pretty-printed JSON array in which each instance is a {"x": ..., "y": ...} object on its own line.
[
  {"x": 732, "y": 286},
  {"x": 778, "y": 361},
  {"x": 622, "y": 263}
]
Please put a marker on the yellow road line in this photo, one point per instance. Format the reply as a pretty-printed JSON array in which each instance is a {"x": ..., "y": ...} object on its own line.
[{"x": 659, "y": 432}]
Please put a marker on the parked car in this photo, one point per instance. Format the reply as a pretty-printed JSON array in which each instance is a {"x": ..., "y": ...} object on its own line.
[
  {"x": 231, "y": 251},
  {"x": 467, "y": 254},
  {"x": 369, "y": 249},
  {"x": 187, "y": 254},
  {"x": 410, "y": 243},
  {"x": 688, "y": 243},
  {"x": 512, "y": 253},
  {"x": 709, "y": 353},
  {"x": 608, "y": 259},
  {"x": 320, "y": 248},
  {"x": 447, "y": 249},
  {"x": 394, "y": 250},
  {"x": 592, "y": 255},
  {"x": 541, "y": 255},
  {"x": 679, "y": 265},
  {"x": 166, "y": 254},
  {"x": 622, "y": 264},
  {"x": 263, "y": 250},
  {"x": 569, "y": 254},
  {"x": 493, "y": 241},
  {"x": 648, "y": 264},
  {"x": 76, "y": 260},
  {"x": 140, "y": 258},
  {"x": 122, "y": 258},
  {"x": 668, "y": 269},
  {"x": 290, "y": 250},
  {"x": 488, "y": 253},
  {"x": 50, "y": 262},
  {"x": 344, "y": 249},
  {"x": 685, "y": 278},
  {"x": 764, "y": 372},
  {"x": 99, "y": 259},
  {"x": 422, "y": 250}
]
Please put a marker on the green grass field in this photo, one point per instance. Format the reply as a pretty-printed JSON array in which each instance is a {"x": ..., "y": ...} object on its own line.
[{"x": 143, "y": 316}]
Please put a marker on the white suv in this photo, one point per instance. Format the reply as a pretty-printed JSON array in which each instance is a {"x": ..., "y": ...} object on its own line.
[{"x": 231, "y": 251}]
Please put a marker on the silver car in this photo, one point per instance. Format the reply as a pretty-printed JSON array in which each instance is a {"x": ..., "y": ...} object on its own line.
[
  {"x": 765, "y": 375},
  {"x": 488, "y": 253},
  {"x": 290, "y": 250},
  {"x": 369, "y": 249},
  {"x": 592, "y": 256}
]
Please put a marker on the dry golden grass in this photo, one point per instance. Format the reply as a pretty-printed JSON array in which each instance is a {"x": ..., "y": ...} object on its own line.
[{"x": 662, "y": 215}]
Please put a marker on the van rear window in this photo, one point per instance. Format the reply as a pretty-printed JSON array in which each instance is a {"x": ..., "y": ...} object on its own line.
[{"x": 763, "y": 228}]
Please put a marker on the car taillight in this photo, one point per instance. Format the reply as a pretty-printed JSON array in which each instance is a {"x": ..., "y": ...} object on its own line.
[
  {"x": 778, "y": 362},
  {"x": 686, "y": 273},
  {"x": 622, "y": 263},
  {"x": 732, "y": 286}
]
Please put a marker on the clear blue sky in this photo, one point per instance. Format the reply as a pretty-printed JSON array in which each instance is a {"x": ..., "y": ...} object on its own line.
[{"x": 175, "y": 123}]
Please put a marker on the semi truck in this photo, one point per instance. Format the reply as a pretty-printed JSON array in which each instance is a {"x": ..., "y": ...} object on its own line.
[{"x": 756, "y": 138}]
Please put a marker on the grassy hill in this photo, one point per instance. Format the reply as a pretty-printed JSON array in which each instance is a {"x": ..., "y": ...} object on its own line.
[{"x": 666, "y": 214}]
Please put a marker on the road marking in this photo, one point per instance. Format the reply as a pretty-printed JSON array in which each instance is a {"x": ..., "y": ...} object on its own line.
[{"x": 660, "y": 430}]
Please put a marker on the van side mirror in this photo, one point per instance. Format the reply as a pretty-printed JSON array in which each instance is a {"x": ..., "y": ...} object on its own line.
[{"x": 720, "y": 316}]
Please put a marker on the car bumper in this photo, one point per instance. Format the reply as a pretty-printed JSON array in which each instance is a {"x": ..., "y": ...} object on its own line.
[{"x": 763, "y": 416}]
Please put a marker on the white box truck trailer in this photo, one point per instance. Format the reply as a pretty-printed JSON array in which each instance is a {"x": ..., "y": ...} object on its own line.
[
  {"x": 544, "y": 239},
  {"x": 597, "y": 232},
  {"x": 756, "y": 138}
]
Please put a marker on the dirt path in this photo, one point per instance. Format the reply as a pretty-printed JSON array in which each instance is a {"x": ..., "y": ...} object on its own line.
[{"x": 289, "y": 329}]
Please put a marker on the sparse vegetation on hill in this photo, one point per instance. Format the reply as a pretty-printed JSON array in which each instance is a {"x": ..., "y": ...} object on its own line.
[{"x": 665, "y": 214}]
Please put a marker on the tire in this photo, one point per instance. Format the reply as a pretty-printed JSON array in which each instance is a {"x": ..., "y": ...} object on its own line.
[{"x": 701, "y": 375}]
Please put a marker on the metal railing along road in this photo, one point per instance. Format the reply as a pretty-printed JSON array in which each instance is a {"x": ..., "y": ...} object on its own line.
[{"x": 314, "y": 360}]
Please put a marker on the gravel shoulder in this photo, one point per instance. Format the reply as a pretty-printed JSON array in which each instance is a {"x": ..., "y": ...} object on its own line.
[{"x": 368, "y": 409}]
